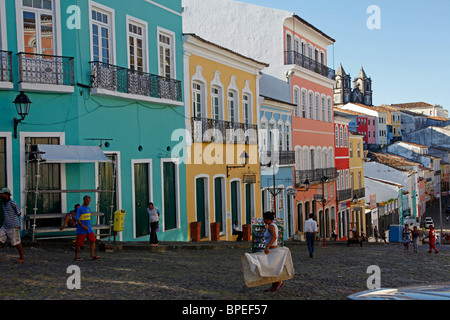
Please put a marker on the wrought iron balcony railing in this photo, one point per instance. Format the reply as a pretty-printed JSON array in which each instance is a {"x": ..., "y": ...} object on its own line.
[
  {"x": 115, "y": 78},
  {"x": 314, "y": 175},
  {"x": 221, "y": 131},
  {"x": 360, "y": 193},
  {"x": 344, "y": 194},
  {"x": 281, "y": 157},
  {"x": 46, "y": 69},
  {"x": 294, "y": 57},
  {"x": 5, "y": 66}
]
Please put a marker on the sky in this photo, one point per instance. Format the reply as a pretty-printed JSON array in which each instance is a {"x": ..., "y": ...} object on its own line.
[{"x": 407, "y": 57}]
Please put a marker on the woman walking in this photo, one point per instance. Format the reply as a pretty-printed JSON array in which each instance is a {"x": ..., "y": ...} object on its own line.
[
  {"x": 271, "y": 242},
  {"x": 406, "y": 237}
]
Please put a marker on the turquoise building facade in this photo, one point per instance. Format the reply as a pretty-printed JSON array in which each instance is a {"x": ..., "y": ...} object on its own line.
[{"x": 100, "y": 73}]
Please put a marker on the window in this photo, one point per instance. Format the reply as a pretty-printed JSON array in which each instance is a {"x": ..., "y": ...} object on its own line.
[
  {"x": 166, "y": 55},
  {"x": 336, "y": 135},
  {"x": 311, "y": 105},
  {"x": 246, "y": 106},
  {"x": 280, "y": 137},
  {"x": 345, "y": 137},
  {"x": 323, "y": 109},
  {"x": 101, "y": 36},
  {"x": 297, "y": 103},
  {"x": 215, "y": 103},
  {"x": 317, "y": 108},
  {"x": 232, "y": 117},
  {"x": 341, "y": 136},
  {"x": 3, "y": 171},
  {"x": 288, "y": 138},
  {"x": 330, "y": 108},
  {"x": 304, "y": 104},
  {"x": 137, "y": 46},
  {"x": 359, "y": 150},
  {"x": 197, "y": 99},
  {"x": 351, "y": 149},
  {"x": 38, "y": 27}
]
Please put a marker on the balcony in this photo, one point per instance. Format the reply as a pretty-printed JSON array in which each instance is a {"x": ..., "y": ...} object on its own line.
[
  {"x": 343, "y": 195},
  {"x": 294, "y": 57},
  {"x": 220, "y": 131},
  {"x": 40, "y": 72},
  {"x": 113, "y": 80},
  {"x": 314, "y": 175},
  {"x": 6, "y": 77},
  {"x": 360, "y": 193},
  {"x": 282, "y": 158}
]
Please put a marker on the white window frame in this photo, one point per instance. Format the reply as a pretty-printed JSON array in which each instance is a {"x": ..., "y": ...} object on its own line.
[
  {"x": 304, "y": 103},
  {"x": 176, "y": 161},
  {"x": 296, "y": 100},
  {"x": 150, "y": 187},
  {"x": 3, "y": 33},
  {"x": 56, "y": 11},
  {"x": 171, "y": 35},
  {"x": 197, "y": 92},
  {"x": 216, "y": 83},
  {"x": 23, "y": 165},
  {"x": 112, "y": 25},
  {"x": 311, "y": 104},
  {"x": 145, "y": 55},
  {"x": 9, "y": 160}
]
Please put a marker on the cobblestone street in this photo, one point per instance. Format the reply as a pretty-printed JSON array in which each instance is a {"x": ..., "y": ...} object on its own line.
[{"x": 212, "y": 272}]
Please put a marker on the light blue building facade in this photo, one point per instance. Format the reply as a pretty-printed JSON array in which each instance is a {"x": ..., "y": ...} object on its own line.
[
  {"x": 102, "y": 73},
  {"x": 277, "y": 160}
]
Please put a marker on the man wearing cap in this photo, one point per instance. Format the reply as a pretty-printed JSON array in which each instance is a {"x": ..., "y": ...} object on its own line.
[{"x": 11, "y": 225}]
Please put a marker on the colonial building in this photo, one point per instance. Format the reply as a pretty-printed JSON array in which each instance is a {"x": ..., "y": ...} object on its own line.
[
  {"x": 297, "y": 54},
  {"x": 116, "y": 82},
  {"x": 222, "y": 165}
]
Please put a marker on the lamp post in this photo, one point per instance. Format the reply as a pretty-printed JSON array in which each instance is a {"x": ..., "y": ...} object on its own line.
[
  {"x": 23, "y": 104},
  {"x": 245, "y": 157}
]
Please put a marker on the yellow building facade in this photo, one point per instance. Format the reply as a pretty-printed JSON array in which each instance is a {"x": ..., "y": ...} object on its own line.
[
  {"x": 356, "y": 160},
  {"x": 222, "y": 161}
]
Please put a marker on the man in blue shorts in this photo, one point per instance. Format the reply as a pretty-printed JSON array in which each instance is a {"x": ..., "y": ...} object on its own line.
[
  {"x": 11, "y": 224},
  {"x": 84, "y": 229}
]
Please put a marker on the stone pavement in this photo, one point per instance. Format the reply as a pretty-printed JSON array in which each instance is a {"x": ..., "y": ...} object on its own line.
[{"x": 199, "y": 271}]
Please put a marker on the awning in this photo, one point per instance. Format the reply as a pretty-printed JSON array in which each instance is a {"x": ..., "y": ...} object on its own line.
[{"x": 69, "y": 154}]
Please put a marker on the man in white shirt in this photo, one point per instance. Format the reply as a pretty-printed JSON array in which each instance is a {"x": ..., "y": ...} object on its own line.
[{"x": 310, "y": 230}]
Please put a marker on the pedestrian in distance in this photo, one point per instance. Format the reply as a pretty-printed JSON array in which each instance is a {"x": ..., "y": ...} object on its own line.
[
  {"x": 271, "y": 242},
  {"x": 432, "y": 240},
  {"x": 375, "y": 233},
  {"x": 310, "y": 229},
  {"x": 69, "y": 220},
  {"x": 11, "y": 225},
  {"x": 237, "y": 231},
  {"x": 415, "y": 238},
  {"x": 406, "y": 237},
  {"x": 153, "y": 215},
  {"x": 383, "y": 236},
  {"x": 84, "y": 229}
]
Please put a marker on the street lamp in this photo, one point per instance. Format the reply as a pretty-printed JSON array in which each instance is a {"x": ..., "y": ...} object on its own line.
[
  {"x": 23, "y": 104},
  {"x": 245, "y": 157}
]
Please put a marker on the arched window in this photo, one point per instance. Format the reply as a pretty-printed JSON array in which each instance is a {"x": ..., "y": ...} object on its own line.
[
  {"x": 336, "y": 135},
  {"x": 341, "y": 136},
  {"x": 345, "y": 137},
  {"x": 297, "y": 102},
  {"x": 311, "y": 105},
  {"x": 197, "y": 102}
]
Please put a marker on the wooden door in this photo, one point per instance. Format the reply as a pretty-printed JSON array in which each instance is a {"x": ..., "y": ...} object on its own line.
[{"x": 141, "y": 198}]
